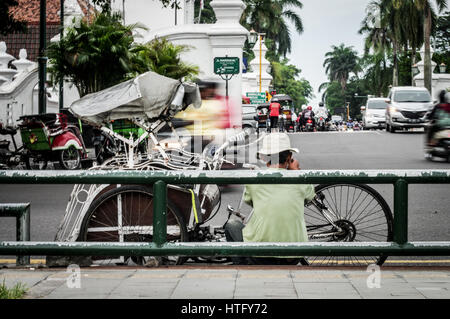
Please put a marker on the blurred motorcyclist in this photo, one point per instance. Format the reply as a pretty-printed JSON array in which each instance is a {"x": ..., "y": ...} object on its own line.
[
  {"x": 210, "y": 120},
  {"x": 439, "y": 118}
]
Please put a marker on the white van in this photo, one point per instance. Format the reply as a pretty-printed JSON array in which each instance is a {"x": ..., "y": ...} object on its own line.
[
  {"x": 374, "y": 113},
  {"x": 407, "y": 108}
]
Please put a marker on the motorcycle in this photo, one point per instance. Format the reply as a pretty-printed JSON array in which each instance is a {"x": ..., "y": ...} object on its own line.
[
  {"x": 321, "y": 125},
  {"x": 438, "y": 145},
  {"x": 437, "y": 135},
  {"x": 309, "y": 126},
  {"x": 48, "y": 137},
  {"x": 9, "y": 158},
  {"x": 105, "y": 146}
]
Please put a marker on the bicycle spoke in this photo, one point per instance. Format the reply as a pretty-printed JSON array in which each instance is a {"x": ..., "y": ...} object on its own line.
[
  {"x": 136, "y": 206},
  {"x": 360, "y": 216}
]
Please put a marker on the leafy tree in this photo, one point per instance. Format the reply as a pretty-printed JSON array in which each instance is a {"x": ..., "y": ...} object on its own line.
[
  {"x": 7, "y": 22},
  {"x": 286, "y": 80},
  {"x": 93, "y": 55},
  {"x": 442, "y": 40},
  {"x": 333, "y": 97},
  {"x": 207, "y": 14},
  {"x": 377, "y": 73},
  {"x": 163, "y": 57}
]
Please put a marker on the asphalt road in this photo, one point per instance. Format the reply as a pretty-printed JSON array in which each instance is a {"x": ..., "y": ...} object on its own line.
[{"x": 429, "y": 205}]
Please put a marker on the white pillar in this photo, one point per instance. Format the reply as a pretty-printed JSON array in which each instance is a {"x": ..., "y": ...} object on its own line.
[
  {"x": 189, "y": 11},
  {"x": 5, "y": 72},
  {"x": 23, "y": 63},
  {"x": 264, "y": 75},
  {"x": 419, "y": 79},
  {"x": 227, "y": 37}
]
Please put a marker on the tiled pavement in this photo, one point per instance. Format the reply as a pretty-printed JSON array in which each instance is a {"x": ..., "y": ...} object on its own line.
[{"x": 232, "y": 283}]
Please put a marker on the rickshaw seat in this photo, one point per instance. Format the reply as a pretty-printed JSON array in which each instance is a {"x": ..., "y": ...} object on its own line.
[{"x": 8, "y": 131}]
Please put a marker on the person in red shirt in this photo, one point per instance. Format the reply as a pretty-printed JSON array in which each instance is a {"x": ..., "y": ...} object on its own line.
[{"x": 274, "y": 113}]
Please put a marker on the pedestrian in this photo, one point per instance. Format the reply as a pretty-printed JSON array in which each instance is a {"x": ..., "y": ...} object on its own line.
[
  {"x": 278, "y": 210},
  {"x": 274, "y": 113},
  {"x": 294, "y": 120}
]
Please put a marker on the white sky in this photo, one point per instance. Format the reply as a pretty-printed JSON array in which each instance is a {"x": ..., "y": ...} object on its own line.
[{"x": 326, "y": 23}]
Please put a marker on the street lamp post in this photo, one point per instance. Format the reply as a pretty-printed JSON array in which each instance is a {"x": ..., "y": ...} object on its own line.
[
  {"x": 61, "y": 82},
  {"x": 42, "y": 59}
]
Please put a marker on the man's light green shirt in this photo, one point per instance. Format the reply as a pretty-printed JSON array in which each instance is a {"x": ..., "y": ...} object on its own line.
[{"x": 278, "y": 212}]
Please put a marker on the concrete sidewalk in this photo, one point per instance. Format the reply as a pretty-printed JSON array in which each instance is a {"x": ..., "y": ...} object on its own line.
[{"x": 232, "y": 283}]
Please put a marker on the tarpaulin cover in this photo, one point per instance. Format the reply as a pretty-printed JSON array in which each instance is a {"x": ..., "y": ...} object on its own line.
[{"x": 147, "y": 96}]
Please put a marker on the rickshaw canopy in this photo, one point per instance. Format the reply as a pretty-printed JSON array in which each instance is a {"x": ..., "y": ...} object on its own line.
[
  {"x": 148, "y": 96},
  {"x": 281, "y": 98}
]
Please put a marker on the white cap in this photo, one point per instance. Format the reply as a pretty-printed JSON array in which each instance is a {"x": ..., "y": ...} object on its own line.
[{"x": 275, "y": 143}]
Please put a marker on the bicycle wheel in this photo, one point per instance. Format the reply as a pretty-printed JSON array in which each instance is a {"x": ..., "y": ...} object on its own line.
[
  {"x": 361, "y": 213},
  {"x": 125, "y": 214}
]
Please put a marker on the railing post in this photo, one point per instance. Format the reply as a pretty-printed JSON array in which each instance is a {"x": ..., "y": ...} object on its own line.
[
  {"x": 23, "y": 232},
  {"x": 159, "y": 213},
  {"x": 22, "y": 214},
  {"x": 401, "y": 212}
]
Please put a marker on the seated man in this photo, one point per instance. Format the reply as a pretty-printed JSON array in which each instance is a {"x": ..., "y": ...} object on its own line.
[{"x": 278, "y": 209}]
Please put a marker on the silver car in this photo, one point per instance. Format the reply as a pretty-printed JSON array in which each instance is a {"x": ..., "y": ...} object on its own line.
[
  {"x": 374, "y": 113},
  {"x": 407, "y": 107}
]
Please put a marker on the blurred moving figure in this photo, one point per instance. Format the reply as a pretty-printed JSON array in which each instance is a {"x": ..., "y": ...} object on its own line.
[
  {"x": 210, "y": 120},
  {"x": 437, "y": 137}
]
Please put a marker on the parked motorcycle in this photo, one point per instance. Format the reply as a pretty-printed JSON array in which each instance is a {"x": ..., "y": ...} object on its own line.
[
  {"x": 9, "y": 158},
  {"x": 48, "y": 137},
  {"x": 104, "y": 145}
]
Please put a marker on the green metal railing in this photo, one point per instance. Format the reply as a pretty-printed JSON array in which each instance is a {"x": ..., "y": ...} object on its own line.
[
  {"x": 160, "y": 179},
  {"x": 22, "y": 214}
]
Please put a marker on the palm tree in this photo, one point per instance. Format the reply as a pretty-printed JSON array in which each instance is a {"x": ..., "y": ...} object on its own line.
[
  {"x": 163, "y": 57},
  {"x": 426, "y": 7},
  {"x": 270, "y": 17},
  {"x": 384, "y": 26},
  {"x": 339, "y": 63},
  {"x": 377, "y": 73},
  {"x": 94, "y": 55}
]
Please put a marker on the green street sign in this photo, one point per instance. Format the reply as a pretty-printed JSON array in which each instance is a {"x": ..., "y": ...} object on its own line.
[
  {"x": 257, "y": 97},
  {"x": 226, "y": 65}
]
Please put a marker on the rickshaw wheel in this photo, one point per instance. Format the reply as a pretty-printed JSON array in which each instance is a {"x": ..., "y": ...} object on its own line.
[
  {"x": 70, "y": 158},
  {"x": 102, "y": 222},
  {"x": 35, "y": 162}
]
